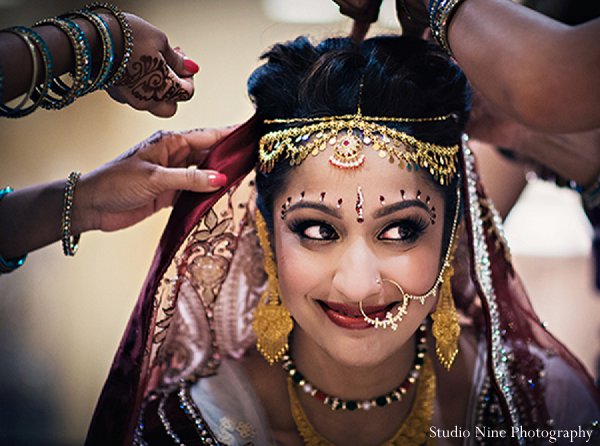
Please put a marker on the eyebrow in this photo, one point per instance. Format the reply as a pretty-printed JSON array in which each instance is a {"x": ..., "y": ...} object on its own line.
[
  {"x": 317, "y": 206},
  {"x": 398, "y": 206}
]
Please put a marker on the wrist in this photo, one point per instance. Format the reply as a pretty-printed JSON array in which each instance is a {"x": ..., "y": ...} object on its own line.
[{"x": 84, "y": 217}]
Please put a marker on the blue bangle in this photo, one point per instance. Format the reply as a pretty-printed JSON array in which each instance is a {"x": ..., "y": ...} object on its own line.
[
  {"x": 8, "y": 266},
  {"x": 41, "y": 90},
  {"x": 61, "y": 93}
]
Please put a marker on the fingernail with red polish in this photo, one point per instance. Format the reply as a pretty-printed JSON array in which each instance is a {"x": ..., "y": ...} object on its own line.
[
  {"x": 217, "y": 179},
  {"x": 190, "y": 66}
]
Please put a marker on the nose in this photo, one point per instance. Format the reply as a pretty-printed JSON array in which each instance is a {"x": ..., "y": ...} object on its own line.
[{"x": 357, "y": 275}]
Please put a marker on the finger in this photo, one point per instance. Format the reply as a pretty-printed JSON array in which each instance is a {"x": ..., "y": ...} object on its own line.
[
  {"x": 179, "y": 62},
  {"x": 163, "y": 109},
  {"x": 202, "y": 139},
  {"x": 191, "y": 179}
]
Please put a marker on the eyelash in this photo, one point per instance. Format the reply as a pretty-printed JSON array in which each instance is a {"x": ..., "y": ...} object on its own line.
[
  {"x": 299, "y": 227},
  {"x": 414, "y": 225}
]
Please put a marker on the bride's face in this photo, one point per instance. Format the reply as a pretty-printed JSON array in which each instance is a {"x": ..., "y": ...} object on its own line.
[{"x": 337, "y": 234}]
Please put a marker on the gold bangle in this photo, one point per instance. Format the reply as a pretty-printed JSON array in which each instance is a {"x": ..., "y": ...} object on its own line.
[
  {"x": 108, "y": 48},
  {"x": 70, "y": 242},
  {"x": 127, "y": 35}
]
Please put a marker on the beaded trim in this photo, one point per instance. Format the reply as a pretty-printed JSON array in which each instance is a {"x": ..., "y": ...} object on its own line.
[
  {"x": 336, "y": 403},
  {"x": 500, "y": 357},
  {"x": 166, "y": 423},
  {"x": 187, "y": 405},
  {"x": 347, "y": 135}
]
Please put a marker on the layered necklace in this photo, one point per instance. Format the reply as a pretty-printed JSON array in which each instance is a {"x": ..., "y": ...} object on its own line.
[
  {"x": 415, "y": 427},
  {"x": 336, "y": 403}
]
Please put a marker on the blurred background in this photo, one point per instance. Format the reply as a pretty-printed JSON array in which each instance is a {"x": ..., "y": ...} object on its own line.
[{"x": 61, "y": 318}]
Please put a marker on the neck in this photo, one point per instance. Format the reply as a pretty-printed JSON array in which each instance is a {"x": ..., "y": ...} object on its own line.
[{"x": 345, "y": 380}]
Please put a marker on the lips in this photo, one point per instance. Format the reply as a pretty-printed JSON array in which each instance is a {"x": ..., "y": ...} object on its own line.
[{"x": 349, "y": 316}]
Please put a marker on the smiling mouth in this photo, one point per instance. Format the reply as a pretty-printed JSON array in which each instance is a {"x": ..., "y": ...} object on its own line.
[{"x": 350, "y": 317}]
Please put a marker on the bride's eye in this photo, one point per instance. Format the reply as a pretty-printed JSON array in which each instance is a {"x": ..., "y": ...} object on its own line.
[
  {"x": 406, "y": 230},
  {"x": 314, "y": 230}
]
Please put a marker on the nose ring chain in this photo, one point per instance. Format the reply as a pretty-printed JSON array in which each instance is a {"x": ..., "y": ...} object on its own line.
[{"x": 391, "y": 320}]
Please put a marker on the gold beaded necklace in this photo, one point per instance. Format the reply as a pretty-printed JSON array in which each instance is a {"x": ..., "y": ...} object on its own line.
[{"x": 412, "y": 432}]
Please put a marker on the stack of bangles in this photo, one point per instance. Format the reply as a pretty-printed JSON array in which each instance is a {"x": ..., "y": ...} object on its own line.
[
  {"x": 52, "y": 92},
  {"x": 70, "y": 242},
  {"x": 440, "y": 14}
]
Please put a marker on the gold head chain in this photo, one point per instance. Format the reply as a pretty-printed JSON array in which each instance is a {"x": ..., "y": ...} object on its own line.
[{"x": 347, "y": 135}]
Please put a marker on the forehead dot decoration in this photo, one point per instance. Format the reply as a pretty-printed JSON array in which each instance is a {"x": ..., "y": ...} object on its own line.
[
  {"x": 322, "y": 197},
  {"x": 339, "y": 203},
  {"x": 285, "y": 206},
  {"x": 382, "y": 200},
  {"x": 359, "y": 205},
  {"x": 348, "y": 136}
]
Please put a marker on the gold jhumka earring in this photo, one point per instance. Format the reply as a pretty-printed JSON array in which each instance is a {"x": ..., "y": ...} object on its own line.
[
  {"x": 446, "y": 328},
  {"x": 272, "y": 322}
]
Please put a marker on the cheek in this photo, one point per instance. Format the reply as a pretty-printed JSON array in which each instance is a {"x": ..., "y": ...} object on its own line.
[
  {"x": 299, "y": 272},
  {"x": 415, "y": 271}
]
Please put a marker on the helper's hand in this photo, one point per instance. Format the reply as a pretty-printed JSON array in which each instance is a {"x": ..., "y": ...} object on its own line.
[
  {"x": 145, "y": 179},
  {"x": 157, "y": 76},
  {"x": 412, "y": 15}
]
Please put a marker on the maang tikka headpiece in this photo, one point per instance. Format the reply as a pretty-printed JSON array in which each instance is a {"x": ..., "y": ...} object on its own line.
[{"x": 348, "y": 135}]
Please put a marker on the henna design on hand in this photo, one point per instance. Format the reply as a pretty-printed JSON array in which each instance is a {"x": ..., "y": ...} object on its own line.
[{"x": 149, "y": 80}]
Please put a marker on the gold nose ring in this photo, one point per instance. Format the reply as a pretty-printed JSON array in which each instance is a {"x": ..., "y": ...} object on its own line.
[{"x": 391, "y": 320}]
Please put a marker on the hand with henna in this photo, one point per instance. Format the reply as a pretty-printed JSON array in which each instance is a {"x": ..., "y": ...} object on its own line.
[
  {"x": 117, "y": 195},
  {"x": 145, "y": 179},
  {"x": 157, "y": 76}
]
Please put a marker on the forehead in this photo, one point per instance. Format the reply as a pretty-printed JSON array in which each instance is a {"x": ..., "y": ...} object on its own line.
[{"x": 376, "y": 176}]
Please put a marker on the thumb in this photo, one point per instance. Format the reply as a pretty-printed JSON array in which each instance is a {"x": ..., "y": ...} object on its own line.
[
  {"x": 182, "y": 65},
  {"x": 190, "y": 178}
]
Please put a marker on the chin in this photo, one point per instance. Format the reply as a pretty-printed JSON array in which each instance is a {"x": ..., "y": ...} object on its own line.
[{"x": 360, "y": 353}]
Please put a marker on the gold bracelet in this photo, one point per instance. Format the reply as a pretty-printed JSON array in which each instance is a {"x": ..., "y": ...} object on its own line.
[
  {"x": 127, "y": 39},
  {"x": 70, "y": 242},
  {"x": 108, "y": 48}
]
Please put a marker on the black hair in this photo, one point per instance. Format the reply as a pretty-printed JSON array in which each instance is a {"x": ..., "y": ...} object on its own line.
[{"x": 401, "y": 77}]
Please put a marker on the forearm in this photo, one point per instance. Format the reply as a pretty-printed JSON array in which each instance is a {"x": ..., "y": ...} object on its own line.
[
  {"x": 541, "y": 72},
  {"x": 503, "y": 180},
  {"x": 30, "y": 218},
  {"x": 15, "y": 57},
  {"x": 573, "y": 156}
]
